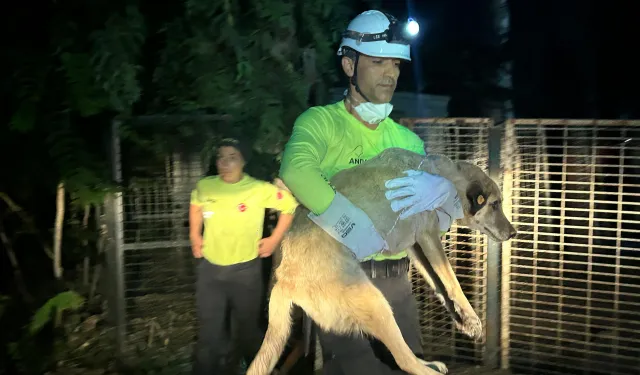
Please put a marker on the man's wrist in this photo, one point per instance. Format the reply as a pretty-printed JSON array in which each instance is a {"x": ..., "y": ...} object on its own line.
[{"x": 276, "y": 237}]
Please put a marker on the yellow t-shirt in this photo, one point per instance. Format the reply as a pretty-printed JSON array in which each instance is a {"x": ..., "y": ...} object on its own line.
[
  {"x": 234, "y": 216},
  {"x": 328, "y": 139}
]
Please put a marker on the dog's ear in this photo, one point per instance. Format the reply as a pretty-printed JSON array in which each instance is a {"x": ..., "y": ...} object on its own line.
[{"x": 477, "y": 198}]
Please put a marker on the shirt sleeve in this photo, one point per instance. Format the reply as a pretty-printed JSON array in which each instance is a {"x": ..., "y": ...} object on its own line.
[
  {"x": 195, "y": 198},
  {"x": 300, "y": 169},
  {"x": 278, "y": 199}
]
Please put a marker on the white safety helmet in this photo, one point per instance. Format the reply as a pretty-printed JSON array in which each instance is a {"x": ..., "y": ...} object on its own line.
[{"x": 377, "y": 34}]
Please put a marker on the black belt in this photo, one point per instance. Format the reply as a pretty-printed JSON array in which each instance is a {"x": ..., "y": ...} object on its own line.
[{"x": 383, "y": 269}]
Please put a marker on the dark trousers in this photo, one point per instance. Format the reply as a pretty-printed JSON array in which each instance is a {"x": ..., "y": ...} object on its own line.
[
  {"x": 235, "y": 291},
  {"x": 352, "y": 355}
]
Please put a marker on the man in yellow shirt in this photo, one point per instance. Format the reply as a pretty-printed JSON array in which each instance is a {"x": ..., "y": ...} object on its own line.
[
  {"x": 328, "y": 139},
  {"x": 231, "y": 207}
]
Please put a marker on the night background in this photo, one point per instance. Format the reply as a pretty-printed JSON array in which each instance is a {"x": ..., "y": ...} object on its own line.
[{"x": 202, "y": 67}]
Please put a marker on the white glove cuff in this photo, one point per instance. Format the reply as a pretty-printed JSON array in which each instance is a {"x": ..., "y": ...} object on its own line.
[
  {"x": 339, "y": 217},
  {"x": 350, "y": 226}
]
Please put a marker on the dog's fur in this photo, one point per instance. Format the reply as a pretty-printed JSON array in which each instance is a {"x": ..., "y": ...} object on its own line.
[{"x": 321, "y": 276}]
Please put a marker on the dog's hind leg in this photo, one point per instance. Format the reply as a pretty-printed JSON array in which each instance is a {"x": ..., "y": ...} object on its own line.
[
  {"x": 280, "y": 306},
  {"x": 363, "y": 308},
  {"x": 429, "y": 240}
]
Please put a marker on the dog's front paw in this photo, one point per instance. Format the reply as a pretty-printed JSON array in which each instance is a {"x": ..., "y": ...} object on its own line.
[
  {"x": 436, "y": 366},
  {"x": 471, "y": 324}
]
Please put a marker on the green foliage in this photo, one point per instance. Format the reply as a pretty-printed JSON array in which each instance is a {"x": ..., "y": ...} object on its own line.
[
  {"x": 85, "y": 177},
  {"x": 115, "y": 55},
  {"x": 245, "y": 60},
  {"x": 24, "y": 118},
  {"x": 28, "y": 86},
  {"x": 85, "y": 95},
  {"x": 57, "y": 305},
  {"x": 28, "y": 357},
  {"x": 4, "y": 302},
  {"x": 36, "y": 351},
  {"x": 66, "y": 96}
]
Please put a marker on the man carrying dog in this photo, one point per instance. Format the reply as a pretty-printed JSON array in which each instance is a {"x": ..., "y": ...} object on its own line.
[{"x": 327, "y": 139}]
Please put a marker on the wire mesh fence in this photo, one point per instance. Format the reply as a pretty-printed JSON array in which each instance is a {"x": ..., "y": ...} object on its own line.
[
  {"x": 573, "y": 268},
  {"x": 155, "y": 306},
  {"x": 459, "y": 139},
  {"x": 570, "y": 281}
]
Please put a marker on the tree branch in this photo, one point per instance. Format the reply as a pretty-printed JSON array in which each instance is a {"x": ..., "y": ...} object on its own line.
[
  {"x": 17, "y": 271},
  {"x": 57, "y": 234},
  {"x": 27, "y": 220}
]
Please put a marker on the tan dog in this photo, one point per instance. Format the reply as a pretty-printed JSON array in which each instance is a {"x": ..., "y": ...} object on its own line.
[{"x": 321, "y": 276}]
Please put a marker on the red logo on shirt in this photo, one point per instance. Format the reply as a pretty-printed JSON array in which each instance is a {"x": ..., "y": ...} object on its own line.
[
  {"x": 279, "y": 195},
  {"x": 242, "y": 207}
]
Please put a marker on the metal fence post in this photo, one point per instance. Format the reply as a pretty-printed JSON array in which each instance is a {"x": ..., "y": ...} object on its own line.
[
  {"x": 116, "y": 240},
  {"x": 509, "y": 157},
  {"x": 494, "y": 250}
]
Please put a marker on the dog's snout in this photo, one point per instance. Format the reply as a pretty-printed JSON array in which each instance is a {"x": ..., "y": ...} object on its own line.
[{"x": 512, "y": 232}]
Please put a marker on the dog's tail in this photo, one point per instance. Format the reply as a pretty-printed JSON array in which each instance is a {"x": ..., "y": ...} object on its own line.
[{"x": 280, "y": 306}]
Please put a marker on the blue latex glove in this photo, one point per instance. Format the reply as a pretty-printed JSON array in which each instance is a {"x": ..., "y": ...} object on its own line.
[
  {"x": 350, "y": 226},
  {"x": 420, "y": 191}
]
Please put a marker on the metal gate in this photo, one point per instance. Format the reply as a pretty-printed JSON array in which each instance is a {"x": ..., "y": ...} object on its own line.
[{"x": 571, "y": 278}]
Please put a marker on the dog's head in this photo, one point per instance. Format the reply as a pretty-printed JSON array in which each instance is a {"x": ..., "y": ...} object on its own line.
[{"x": 482, "y": 203}]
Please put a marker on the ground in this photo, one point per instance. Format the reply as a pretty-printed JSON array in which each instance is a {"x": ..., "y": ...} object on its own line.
[{"x": 160, "y": 338}]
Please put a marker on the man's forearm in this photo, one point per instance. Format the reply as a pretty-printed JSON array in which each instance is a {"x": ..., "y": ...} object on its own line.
[
  {"x": 284, "y": 222},
  {"x": 308, "y": 186}
]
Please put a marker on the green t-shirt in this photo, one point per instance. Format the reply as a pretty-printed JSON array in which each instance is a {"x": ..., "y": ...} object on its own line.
[
  {"x": 328, "y": 139},
  {"x": 234, "y": 216}
]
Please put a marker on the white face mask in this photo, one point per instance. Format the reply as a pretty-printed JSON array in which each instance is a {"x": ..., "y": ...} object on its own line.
[{"x": 372, "y": 113}]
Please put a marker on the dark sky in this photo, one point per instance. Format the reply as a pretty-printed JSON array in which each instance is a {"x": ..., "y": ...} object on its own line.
[
  {"x": 445, "y": 24},
  {"x": 577, "y": 62},
  {"x": 571, "y": 58}
]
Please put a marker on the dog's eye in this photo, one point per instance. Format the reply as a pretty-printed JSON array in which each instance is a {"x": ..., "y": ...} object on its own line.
[{"x": 480, "y": 199}]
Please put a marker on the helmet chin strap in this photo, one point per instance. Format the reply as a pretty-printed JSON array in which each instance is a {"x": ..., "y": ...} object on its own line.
[{"x": 354, "y": 78}]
